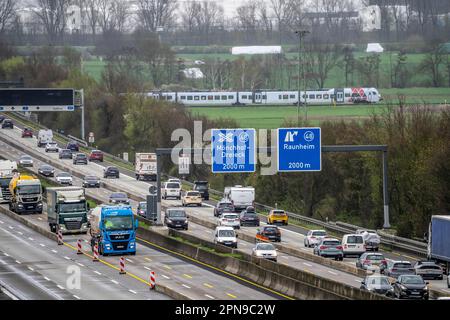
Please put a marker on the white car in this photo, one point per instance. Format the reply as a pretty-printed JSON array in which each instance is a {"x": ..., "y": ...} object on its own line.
[
  {"x": 265, "y": 250},
  {"x": 171, "y": 190},
  {"x": 64, "y": 178},
  {"x": 225, "y": 236},
  {"x": 371, "y": 239},
  {"x": 26, "y": 161},
  {"x": 313, "y": 237},
  {"x": 230, "y": 220},
  {"x": 192, "y": 198},
  {"x": 51, "y": 147},
  {"x": 353, "y": 245},
  {"x": 174, "y": 180}
]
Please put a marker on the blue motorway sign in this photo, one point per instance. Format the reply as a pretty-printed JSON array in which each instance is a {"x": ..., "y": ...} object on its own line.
[
  {"x": 299, "y": 149},
  {"x": 233, "y": 150}
]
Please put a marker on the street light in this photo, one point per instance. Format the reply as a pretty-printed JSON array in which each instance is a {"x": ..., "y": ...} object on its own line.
[{"x": 301, "y": 34}]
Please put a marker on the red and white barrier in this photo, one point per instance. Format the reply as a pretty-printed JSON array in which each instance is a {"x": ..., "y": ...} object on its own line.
[
  {"x": 122, "y": 266},
  {"x": 79, "y": 247},
  {"x": 60, "y": 237},
  {"x": 95, "y": 253},
  {"x": 152, "y": 280}
]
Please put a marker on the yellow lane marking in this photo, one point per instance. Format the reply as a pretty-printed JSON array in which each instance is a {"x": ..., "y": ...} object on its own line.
[
  {"x": 109, "y": 265},
  {"x": 148, "y": 259},
  {"x": 167, "y": 267},
  {"x": 208, "y": 285},
  {"x": 217, "y": 269},
  {"x": 231, "y": 295},
  {"x": 187, "y": 276}
]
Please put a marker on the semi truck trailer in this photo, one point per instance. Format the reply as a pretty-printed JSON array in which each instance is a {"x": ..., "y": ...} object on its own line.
[
  {"x": 439, "y": 240},
  {"x": 7, "y": 170},
  {"x": 113, "y": 229},
  {"x": 26, "y": 194},
  {"x": 67, "y": 210}
]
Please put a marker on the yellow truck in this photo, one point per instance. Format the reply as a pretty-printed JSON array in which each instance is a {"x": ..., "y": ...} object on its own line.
[{"x": 26, "y": 194}]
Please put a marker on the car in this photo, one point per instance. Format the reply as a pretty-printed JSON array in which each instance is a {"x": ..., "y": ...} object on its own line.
[
  {"x": 371, "y": 239},
  {"x": 223, "y": 206},
  {"x": 174, "y": 180},
  {"x": 27, "y": 133},
  {"x": 91, "y": 181},
  {"x": 372, "y": 261},
  {"x": 394, "y": 268},
  {"x": 26, "y": 161},
  {"x": 7, "y": 123},
  {"x": 377, "y": 284},
  {"x": 268, "y": 233},
  {"x": 64, "y": 178},
  {"x": 171, "y": 190},
  {"x": 330, "y": 247},
  {"x": 51, "y": 147},
  {"x": 230, "y": 219},
  {"x": 249, "y": 217},
  {"x": 225, "y": 236},
  {"x": 277, "y": 216},
  {"x": 448, "y": 281},
  {"x": 119, "y": 198},
  {"x": 429, "y": 269},
  {"x": 65, "y": 154},
  {"x": 176, "y": 218},
  {"x": 353, "y": 245},
  {"x": 80, "y": 158},
  {"x": 265, "y": 251},
  {"x": 141, "y": 209},
  {"x": 2, "y": 117},
  {"x": 46, "y": 170},
  {"x": 96, "y": 155},
  {"x": 203, "y": 188},
  {"x": 192, "y": 198},
  {"x": 73, "y": 146},
  {"x": 411, "y": 286},
  {"x": 313, "y": 237},
  {"x": 111, "y": 172}
]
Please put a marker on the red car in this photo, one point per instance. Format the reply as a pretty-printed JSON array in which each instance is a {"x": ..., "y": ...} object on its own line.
[
  {"x": 27, "y": 133},
  {"x": 96, "y": 155}
]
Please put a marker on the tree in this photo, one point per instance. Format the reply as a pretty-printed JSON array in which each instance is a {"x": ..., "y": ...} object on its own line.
[
  {"x": 52, "y": 14},
  {"x": 349, "y": 65},
  {"x": 247, "y": 19},
  {"x": 320, "y": 60},
  {"x": 401, "y": 72},
  {"x": 154, "y": 14},
  {"x": 92, "y": 15},
  {"x": 112, "y": 15},
  {"x": 432, "y": 62},
  {"x": 7, "y": 13},
  {"x": 203, "y": 17}
]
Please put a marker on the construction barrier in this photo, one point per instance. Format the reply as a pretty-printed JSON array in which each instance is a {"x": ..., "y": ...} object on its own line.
[
  {"x": 122, "y": 265},
  {"x": 79, "y": 251},
  {"x": 152, "y": 280},
  {"x": 95, "y": 253},
  {"x": 60, "y": 238}
]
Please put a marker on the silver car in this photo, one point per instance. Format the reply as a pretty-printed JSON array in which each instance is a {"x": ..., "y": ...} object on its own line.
[
  {"x": 64, "y": 178},
  {"x": 26, "y": 161},
  {"x": 429, "y": 270},
  {"x": 395, "y": 269}
]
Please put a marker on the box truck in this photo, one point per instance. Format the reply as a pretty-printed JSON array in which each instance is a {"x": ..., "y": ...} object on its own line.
[
  {"x": 44, "y": 137},
  {"x": 241, "y": 197},
  {"x": 145, "y": 166}
]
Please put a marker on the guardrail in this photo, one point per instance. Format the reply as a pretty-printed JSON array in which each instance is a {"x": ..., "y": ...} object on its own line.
[{"x": 391, "y": 241}]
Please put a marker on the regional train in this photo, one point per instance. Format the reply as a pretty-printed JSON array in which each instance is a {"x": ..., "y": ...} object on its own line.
[{"x": 270, "y": 97}]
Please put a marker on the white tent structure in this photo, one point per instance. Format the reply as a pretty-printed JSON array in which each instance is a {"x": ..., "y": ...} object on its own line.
[
  {"x": 257, "y": 50},
  {"x": 193, "y": 73},
  {"x": 374, "y": 47}
]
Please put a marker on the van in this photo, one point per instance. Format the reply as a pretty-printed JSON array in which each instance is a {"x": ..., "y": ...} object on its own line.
[
  {"x": 353, "y": 245},
  {"x": 225, "y": 236},
  {"x": 44, "y": 137},
  {"x": 240, "y": 197}
]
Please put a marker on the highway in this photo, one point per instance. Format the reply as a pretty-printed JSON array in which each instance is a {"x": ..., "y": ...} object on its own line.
[{"x": 291, "y": 235}]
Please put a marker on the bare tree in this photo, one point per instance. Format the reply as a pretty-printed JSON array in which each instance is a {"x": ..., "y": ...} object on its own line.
[
  {"x": 52, "y": 14},
  {"x": 156, "y": 13},
  {"x": 320, "y": 60},
  {"x": 246, "y": 16},
  {"x": 92, "y": 14},
  {"x": 431, "y": 64},
  {"x": 7, "y": 13},
  {"x": 264, "y": 18},
  {"x": 190, "y": 10},
  {"x": 112, "y": 15}
]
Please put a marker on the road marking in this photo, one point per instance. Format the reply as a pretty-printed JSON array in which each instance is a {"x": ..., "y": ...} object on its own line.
[
  {"x": 231, "y": 295},
  {"x": 6, "y": 254},
  {"x": 76, "y": 297},
  {"x": 80, "y": 264},
  {"x": 1, "y": 222},
  {"x": 54, "y": 251},
  {"x": 357, "y": 280},
  {"x": 167, "y": 267},
  {"x": 86, "y": 241},
  {"x": 208, "y": 296},
  {"x": 286, "y": 257},
  {"x": 129, "y": 260},
  {"x": 66, "y": 257},
  {"x": 30, "y": 238},
  {"x": 10, "y": 227},
  {"x": 31, "y": 269},
  {"x": 17, "y": 261},
  {"x": 132, "y": 291},
  {"x": 3, "y": 262},
  {"x": 39, "y": 218},
  {"x": 186, "y": 286},
  {"x": 59, "y": 286},
  {"x": 187, "y": 276},
  {"x": 47, "y": 279},
  {"x": 114, "y": 281},
  {"x": 332, "y": 272},
  {"x": 42, "y": 245},
  {"x": 96, "y": 272},
  {"x": 21, "y": 233},
  {"x": 208, "y": 285},
  {"x": 307, "y": 264},
  {"x": 147, "y": 268},
  {"x": 163, "y": 275},
  {"x": 148, "y": 259},
  {"x": 208, "y": 231}
]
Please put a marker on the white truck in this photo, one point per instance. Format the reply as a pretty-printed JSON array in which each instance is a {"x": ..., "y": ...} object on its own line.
[
  {"x": 145, "y": 168},
  {"x": 7, "y": 169},
  {"x": 44, "y": 137},
  {"x": 241, "y": 197}
]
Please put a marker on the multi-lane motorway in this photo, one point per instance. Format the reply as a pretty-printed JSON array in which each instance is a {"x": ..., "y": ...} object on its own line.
[{"x": 291, "y": 236}]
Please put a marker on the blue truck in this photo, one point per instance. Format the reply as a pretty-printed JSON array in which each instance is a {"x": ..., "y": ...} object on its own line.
[
  {"x": 439, "y": 241},
  {"x": 113, "y": 229}
]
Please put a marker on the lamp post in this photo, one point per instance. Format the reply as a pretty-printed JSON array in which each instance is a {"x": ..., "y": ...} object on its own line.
[{"x": 301, "y": 34}]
